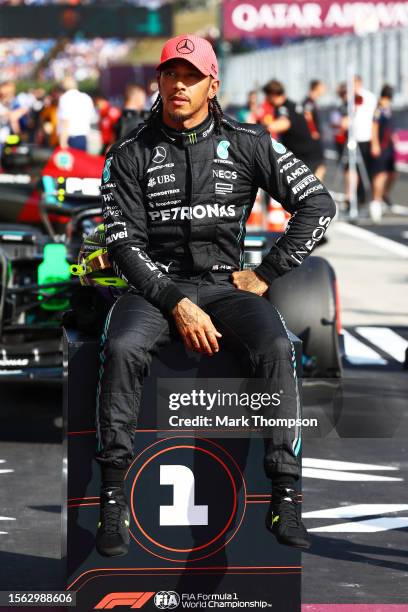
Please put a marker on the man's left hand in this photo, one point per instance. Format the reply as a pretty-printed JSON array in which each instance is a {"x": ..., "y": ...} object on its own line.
[{"x": 247, "y": 280}]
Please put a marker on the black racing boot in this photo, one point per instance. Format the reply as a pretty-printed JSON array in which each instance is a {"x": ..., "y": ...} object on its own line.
[
  {"x": 284, "y": 518},
  {"x": 112, "y": 537}
]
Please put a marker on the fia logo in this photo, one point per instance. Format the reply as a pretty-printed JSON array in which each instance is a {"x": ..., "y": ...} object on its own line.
[{"x": 166, "y": 600}]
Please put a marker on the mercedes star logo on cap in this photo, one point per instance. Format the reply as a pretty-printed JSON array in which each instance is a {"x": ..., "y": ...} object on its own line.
[{"x": 185, "y": 46}]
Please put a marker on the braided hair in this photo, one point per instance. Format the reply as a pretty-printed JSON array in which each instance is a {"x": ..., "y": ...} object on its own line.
[
  {"x": 213, "y": 106},
  {"x": 156, "y": 110},
  {"x": 217, "y": 113}
]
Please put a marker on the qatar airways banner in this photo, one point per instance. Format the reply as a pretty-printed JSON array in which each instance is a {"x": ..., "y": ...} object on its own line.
[
  {"x": 271, "y": 19},
  {"x": 401, "y": 148}
]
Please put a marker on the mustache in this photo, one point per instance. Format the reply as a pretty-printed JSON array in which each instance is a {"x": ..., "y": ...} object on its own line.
[{"x": 181, "y": 96}]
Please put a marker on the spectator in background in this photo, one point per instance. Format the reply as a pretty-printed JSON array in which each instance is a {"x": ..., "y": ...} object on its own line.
[
  {"x": 383, "y": 154},
  {"x": 49, "y": 117},
  {"x": 365, "y": 104},
  {"x": 249, "y": 114},
  {"x": 75, "y": 115},
  {"x": 266, "y": 112},
  {"x": 33, "y": 126},
  {"x": 317, "y": 89},
  {"x": 291, "y": 126},
  {"x": 134, "y": 110},
  {"x": 339, "y": 121},
  {"x": 4, "y": 121},
  {"x": 109, "y": 116},
  {"x": 18, "y": 107}
]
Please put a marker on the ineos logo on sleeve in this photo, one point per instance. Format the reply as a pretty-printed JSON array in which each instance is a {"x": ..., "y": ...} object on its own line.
[
  {"x": 159, "y": 155},
  {"x": 185, "y": 46}
]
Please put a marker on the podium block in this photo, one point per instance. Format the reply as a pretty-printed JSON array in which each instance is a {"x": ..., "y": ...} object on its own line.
[{"x": 216, "y": 554}]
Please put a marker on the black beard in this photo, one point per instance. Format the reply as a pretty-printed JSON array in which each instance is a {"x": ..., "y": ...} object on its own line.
[{"x": 179, "y": 117}]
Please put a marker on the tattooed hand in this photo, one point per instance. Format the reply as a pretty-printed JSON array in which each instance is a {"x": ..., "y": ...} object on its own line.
[
  {"x": 196, "y": 328},
  {"x": 248, "y": 280}
]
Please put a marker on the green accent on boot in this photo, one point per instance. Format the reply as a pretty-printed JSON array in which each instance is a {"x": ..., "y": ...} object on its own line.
[{"x": 275, "y": 519}]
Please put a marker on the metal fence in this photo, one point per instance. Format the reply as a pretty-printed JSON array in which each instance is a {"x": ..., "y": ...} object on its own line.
[{"x": 380, "y": 57}]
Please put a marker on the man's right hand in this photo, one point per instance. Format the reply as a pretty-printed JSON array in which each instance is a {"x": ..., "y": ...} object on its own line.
[{"x": 196, "y": 328}]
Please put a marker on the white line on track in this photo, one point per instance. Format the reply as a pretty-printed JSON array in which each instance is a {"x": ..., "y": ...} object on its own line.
[
  {"x": 340, "y": 476},
  {"x": 386, "y": 339},
  {"x": 368, "y": 526},
  {"x": 379, "y": 241},
  {"x": 358, "y": 353},
  {"x": 355, "y": 511},
  {"x": 344, "y": 466},
  {"x": 7, "y": 518},
  {"x": 5, "y": 471}
]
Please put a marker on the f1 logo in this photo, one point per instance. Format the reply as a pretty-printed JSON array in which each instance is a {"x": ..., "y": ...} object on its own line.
[{"x": 132, "y": 600}]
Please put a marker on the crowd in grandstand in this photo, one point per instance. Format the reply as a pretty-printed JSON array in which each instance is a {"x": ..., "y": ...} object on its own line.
[
  {"x": 84, "y": 59},
  {"x": 19, "y": 57},
  {"x": 65, "y": 117}
]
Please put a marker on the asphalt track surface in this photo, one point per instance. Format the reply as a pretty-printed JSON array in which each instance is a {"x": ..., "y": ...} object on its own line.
[
  {"x": 394, "y": 224},
  {"x": 355, "y": 507}
]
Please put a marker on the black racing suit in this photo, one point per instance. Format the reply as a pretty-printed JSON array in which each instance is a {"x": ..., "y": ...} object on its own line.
[{"x": 175, "y": 207}]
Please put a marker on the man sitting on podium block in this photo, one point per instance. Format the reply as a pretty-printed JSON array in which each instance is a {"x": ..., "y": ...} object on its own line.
[{"x": 177, "y": 192}]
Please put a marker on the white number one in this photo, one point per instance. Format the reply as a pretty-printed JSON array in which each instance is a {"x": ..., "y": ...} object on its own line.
[{"x": 183, "y": 511}]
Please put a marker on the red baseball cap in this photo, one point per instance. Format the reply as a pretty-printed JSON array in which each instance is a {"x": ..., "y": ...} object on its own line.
[{"x": 193, "y": 49}]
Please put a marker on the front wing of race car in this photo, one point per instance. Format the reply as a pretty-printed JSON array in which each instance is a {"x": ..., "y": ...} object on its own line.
[{"x": 31, "y": 361}]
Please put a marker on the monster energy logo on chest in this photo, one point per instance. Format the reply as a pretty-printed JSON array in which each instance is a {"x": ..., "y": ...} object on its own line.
[{"x": 192, "y": 138}]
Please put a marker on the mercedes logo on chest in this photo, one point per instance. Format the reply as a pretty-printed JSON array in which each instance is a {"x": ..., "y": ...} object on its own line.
[
  {"x": 159, "y": 155},
  {"x": 185, "y": 46}
]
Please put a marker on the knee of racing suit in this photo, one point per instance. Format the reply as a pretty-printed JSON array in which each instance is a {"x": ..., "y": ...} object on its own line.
[
  {"x": 267, "y": 351},
  {"x": 124, "y": 361}
]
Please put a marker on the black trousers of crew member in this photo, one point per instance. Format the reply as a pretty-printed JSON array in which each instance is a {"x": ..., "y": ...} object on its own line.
[{"x": 135, "y": 330}]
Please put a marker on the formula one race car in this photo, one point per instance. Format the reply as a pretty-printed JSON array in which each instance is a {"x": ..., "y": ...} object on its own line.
[
  {"x": 57, "y": 193},
  {"x": 45, "y": 199}
]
